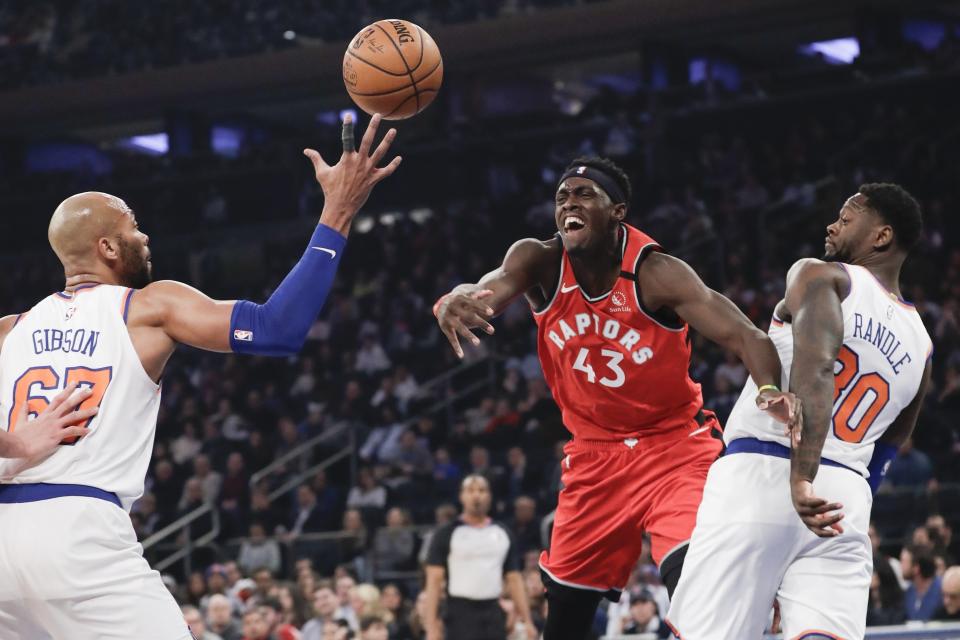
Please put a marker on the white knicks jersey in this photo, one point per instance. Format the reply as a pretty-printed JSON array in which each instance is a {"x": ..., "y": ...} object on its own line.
[
  {"x": 877, "y": 373},
  {"x": 82, "y": 337}
]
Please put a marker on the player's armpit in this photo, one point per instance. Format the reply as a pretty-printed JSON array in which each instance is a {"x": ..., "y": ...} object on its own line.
[{"x": 666, "y": 281}]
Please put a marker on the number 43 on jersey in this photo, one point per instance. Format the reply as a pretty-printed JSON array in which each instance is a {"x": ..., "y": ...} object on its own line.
[{"x": 613, "y": 373}]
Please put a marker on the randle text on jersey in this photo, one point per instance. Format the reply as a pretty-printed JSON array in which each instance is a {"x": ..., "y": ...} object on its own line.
[{"x": 873, "y": 331}]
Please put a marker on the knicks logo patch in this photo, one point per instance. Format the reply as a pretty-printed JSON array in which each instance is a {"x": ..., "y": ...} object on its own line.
[{"x": 243, "y": 336}]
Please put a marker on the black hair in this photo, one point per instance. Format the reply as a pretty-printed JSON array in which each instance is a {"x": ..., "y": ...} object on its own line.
[
  {"x": 897, "y": 208},
  {"x": 923, "y": 561},
  {"x": 891, "y": 595},
  {"x": 609, "y": 167},
  {"x": 272, "y": 603}
]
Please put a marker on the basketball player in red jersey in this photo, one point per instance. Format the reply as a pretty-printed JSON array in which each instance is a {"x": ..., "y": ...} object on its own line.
[{"x": 612, "y": 312}]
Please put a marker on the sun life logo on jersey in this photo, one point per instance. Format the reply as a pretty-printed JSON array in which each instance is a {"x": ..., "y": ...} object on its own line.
[{"x": 619, "y": 301}]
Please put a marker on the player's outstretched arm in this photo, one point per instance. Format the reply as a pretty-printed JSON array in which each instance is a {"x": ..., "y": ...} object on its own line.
[
  {"x": 279, "y": 326},
  {"x": 469, "y": 306},
  {"x": 666, "y": 281},
  {"x": 814, "y": 294},
  {"x": 36, "y": 439}
]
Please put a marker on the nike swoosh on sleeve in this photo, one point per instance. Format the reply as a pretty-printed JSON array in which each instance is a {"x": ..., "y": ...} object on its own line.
[
  {"x": 569, "y": 288},
  {"x": 333, "y": 254}
]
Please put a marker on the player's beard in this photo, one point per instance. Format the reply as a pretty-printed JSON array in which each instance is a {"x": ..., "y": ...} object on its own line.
[
  {"x": 837, "y": 256},
  {"x": 134, "y": 266}
]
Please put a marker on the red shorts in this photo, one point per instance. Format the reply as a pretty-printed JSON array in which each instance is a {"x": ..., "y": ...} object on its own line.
[{"x": 614, "y": 492}]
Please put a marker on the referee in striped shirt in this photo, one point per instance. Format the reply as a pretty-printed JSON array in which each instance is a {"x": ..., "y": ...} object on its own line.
[{"x": 476, "y": 555}]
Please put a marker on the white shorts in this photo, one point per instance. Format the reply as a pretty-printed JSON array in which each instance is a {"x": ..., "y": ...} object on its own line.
[
  {"x": 71, "y": 569},
  {"x": 749, "y": 547}
]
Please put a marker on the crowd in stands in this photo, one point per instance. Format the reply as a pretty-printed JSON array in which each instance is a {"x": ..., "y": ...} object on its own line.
[
  {"x": 57, "y": 40},
  {"x": 740, "y": 203}
]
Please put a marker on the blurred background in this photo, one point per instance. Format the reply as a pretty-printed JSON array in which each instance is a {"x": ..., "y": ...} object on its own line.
[{"x": 743, "y": 124}]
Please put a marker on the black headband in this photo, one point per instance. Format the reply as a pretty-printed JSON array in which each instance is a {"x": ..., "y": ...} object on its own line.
[{"x": 606, "y": 183}]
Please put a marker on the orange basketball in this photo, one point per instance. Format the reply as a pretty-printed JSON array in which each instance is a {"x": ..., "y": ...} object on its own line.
[{"x": 394, "y": 68}]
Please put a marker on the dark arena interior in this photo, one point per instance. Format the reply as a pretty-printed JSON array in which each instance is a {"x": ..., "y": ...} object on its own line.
[{"x": 295, "y": 497}]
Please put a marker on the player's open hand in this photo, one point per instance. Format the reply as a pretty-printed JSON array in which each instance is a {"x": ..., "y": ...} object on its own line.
[
  {"x": 820, "y": 516},
  {"x": 347, "y": 184},
  {"x": 782, "y": 405},
  {"x": 458, "y": 313},
  {"x": 38, "y": 438}
]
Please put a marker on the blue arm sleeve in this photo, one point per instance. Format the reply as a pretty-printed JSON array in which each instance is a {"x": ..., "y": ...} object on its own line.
[
  {"x": 883, "y": 455},
  {"x": 279, "y": 326}
]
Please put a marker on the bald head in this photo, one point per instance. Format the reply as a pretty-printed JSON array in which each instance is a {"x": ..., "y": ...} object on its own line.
[
  {"x": 95, "y": 235},
  {"x": 950, "y": 589}
]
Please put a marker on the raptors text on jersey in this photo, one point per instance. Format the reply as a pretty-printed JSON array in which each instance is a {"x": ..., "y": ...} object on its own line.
[{"x": 614, "y": 369}]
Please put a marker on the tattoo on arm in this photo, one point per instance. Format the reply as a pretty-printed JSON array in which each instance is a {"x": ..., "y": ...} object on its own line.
[{"x": 817, "y": 337}]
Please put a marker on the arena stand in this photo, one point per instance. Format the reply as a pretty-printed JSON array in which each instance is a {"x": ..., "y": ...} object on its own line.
[{"x": 740, "y": 184}]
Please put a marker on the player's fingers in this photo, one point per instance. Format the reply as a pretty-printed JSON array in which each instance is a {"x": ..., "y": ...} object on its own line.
[
  {"x": 822, "y": 507},
  {"x": 827, "y": 519},
  {"x": 476, "y": 306},
  {"x": 452, "y": 338},
  {"x": 823, "y": 532},
  {"x": 74, "y": 432},
  {"x": 366, "y": 142},
  {"x": 383, "y": 147},
  {"x": 319, "y": 164},
  {"x": 346, "y": 134},
  {"x": 825, "y": 528},
  {"x": 61, "y": 397},
  {"x": 480, "y": 323},
  {"x": 67, "y": 407},
  {"x": 387, "y": 171},
  {"x": 79, "y": 416},
  {"x": 22, "y": 414},
  {"x": 483, "y": 293},
  {"x": 466, "y": 333}
]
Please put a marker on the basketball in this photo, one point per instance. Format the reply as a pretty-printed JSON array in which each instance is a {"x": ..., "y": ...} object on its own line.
[{"x": 394, "y": 68}]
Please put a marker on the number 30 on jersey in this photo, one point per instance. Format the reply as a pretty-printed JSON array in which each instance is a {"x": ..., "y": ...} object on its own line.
[
  {"x": 47, "y": 379},
  {"x": 867, "y": 396}
]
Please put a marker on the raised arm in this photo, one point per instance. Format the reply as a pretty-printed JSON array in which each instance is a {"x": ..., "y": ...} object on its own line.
[
  {"x": 177, "y": 313},
  {"x": 814, "y": 294},
  {"x": 468, "y": 306}
]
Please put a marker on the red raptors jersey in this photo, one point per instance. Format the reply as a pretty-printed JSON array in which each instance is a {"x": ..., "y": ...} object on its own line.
[{"x": 615, "y": 371}]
